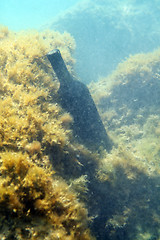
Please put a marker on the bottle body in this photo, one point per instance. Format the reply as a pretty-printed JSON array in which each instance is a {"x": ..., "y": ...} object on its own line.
[{"x": 75, "y": 98}]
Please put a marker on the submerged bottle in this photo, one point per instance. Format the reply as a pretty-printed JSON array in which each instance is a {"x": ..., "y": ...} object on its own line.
[{"x": 76, "y": 99}]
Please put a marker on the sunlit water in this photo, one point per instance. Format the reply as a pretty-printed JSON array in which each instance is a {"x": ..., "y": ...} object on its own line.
[{"x": 20, "y": 15}]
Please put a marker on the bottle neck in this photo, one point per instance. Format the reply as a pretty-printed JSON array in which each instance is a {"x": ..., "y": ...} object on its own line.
[{"x": 59, "y": 67}]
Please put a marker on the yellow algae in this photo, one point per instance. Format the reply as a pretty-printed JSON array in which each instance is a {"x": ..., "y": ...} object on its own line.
[
  {"x": 33, "y": 129},
  {"x": 37, "y": 149},
  {"x": 3, "y": 31},
  {"x": 27, "y": 85},
  {"x": 34, "y": 147},
  {"x": 29, "y": 192}
]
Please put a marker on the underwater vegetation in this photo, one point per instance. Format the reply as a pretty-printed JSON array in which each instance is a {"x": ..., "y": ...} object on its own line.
[
  {"x": 51, "y": 187},
  {"x": 128, "y": 101},
  {"x": 35, "y": 201},
  {"x": 30, "y": 197}
]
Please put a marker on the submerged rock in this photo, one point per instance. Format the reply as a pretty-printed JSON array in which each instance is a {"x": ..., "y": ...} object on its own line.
[{"x": 108, "y": 31}]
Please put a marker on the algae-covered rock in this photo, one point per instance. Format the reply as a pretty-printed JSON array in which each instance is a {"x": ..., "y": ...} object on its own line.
[
  {"x": 35, "y": 202},
  {"x": 30, "y": 198},
  {"x": 46, "y": 176},
  {"x": 128, "y": 101}
]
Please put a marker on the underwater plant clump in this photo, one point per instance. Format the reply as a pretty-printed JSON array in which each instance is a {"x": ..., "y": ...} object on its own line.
[
  {"x": 38, "y": 151},
  {"x": 128, "y": 102},
  {"x": 30, "y": 112},
  {"x": 35, "y": 130},
  {"x": 29, "y": 193},
  {"x": 27, "y": 90}
]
